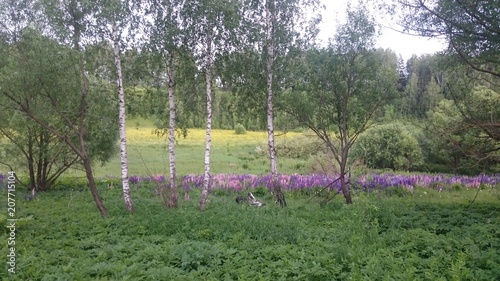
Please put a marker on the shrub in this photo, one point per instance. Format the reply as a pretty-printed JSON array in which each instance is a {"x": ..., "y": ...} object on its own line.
[
  {"x": 299, "y": 147},
  {"x": 260, "y": 191},
  {"x": 323, "y": 163},
  {"x": 390, "y": 146},
  {"x": 239, "y": 129}
]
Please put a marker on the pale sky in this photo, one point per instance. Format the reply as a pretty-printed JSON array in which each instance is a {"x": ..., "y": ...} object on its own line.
[{"x": 403, "y": 44}]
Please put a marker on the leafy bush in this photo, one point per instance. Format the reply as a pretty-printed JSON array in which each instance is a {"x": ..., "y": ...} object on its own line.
[
  {"x": 301, "y": 146},
  {"x": 323, "y": 163},
  {"x": 260, "y": 191},
  {"x": 239, "y": 129},
  {"x": 390, "y": 146}
]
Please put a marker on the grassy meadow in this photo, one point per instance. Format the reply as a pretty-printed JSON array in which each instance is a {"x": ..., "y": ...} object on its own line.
[
  {"x": 231, "y": 153},
  {"x": 450, "y": 233}
]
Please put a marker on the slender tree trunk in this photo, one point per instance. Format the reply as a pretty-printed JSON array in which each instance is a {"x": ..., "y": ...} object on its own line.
[
  {"x": 121, "y": 120},
  {"x": 344, "y": 147},
  {"x": 93, "y": 187},
  {"x": 343, "y": 180},
  {"x": 208, "y": 140},
  {"x": 83, "y": 148},
  {"x": 44, "y": 162},
  {"x": 39, "y": 163},
  {"x": 173, "y": 196},
  {"x": 31, "y": 165},
  {"x": 276, "y": 188},
  {"x": 80, "y": 129}
]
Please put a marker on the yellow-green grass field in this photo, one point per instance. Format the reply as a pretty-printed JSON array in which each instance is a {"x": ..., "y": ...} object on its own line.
[{"x": 231, "y": 153}]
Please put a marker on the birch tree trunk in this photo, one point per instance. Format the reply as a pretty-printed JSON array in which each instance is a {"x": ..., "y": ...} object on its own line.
[
  {"x": 172, "y": 196},
  {"x": 121, "y": 120},
  {"x": 208, "y": 140},
  {"x": 276, "y": 188}
]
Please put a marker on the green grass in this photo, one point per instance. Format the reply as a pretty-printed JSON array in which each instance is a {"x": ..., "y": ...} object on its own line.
[
  {"x": 231, "y": 153},
  {"x": 429, "y": 235}
]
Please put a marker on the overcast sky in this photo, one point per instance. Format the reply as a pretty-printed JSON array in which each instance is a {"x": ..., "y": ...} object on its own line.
[{"x": 406, "y": 45}]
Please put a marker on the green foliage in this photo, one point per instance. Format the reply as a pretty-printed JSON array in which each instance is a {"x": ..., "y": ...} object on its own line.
[
  {"x": 344, "y": 86},
  {"x": 192, "y": 256},
  {"x": 239, "y": 129},
  {"x": 424, "y": 87},
  {"x": 396, "y": 191},
  {"x": 298, "y": 147},
  {"x": 460, "y": 143},
  {"x": 461, "y": 23},
  {"x": 3, "y": 222},
  {"x": 323, "y": 163},
  {"x": 428, "y": 235},
  {"x": 41, "y": 76},
  {"x": 260, "y": 191},
  {"x": 391, "y": 146}
]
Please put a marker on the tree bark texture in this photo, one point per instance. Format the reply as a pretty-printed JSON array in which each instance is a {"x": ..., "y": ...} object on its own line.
[
  {"x": 208, "y": 139},
  {"x": 276, "y": 188},
  {"x": 344, "y": 182},
  {"x": 121, "y": 121},
  {"x": 93, "y": 187},
  {"x": 173, "y": 195}
]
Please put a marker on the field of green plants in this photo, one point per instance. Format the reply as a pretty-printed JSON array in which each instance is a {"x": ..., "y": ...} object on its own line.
[
  {"x": 400, "y": 227},
  {"x": 425, "y": 235}
]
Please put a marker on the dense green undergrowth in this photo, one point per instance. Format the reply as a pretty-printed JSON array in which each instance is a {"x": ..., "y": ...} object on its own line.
[{"x": 428, "y": 235}]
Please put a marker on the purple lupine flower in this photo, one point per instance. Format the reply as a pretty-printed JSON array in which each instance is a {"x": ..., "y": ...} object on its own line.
[
  {"x": 134, "y": 179},
  {"x": 368, "y": 183},
  {"x": 158, "y": 178}
]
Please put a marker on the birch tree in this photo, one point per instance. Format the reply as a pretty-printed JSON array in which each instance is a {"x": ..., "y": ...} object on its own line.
[
  {"x": 166, "y": 42},
  {"x": 269, "y": 46},
  {"x": 211, "y": 25},
  {"x": 119, "y": 19},
  {"x": 272, "y": 29},
  {"x": 121, "y": 118},
  {"x": 113, "y": 20}
]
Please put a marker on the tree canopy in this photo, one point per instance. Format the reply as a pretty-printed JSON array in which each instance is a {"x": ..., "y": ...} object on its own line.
[{"x": 472, "y": 28}]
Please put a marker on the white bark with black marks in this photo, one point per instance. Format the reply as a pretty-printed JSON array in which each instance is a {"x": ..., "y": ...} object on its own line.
[
  {"x": 276, "y": 189},
  {"x": 121, "y": 120},
  {"x": 173, "y": 196},
  {"x": 208, "y": 138}
]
